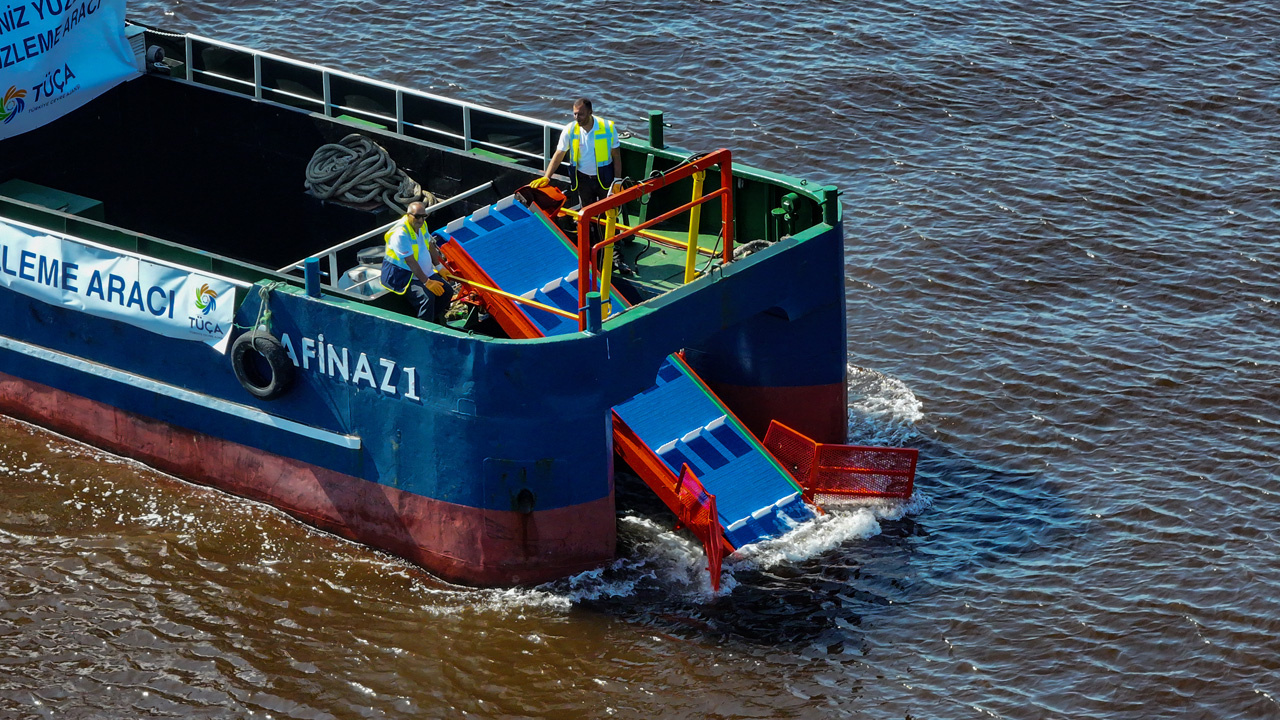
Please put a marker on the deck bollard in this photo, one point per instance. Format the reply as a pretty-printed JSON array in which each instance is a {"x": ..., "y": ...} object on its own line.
[
  {"x": 791, "y": 203},
  {"x": 311, "y": 273},
  {"x": 655, "y": 130},
  {"x": 830, "y": 204},
  {"x": 593, "y": 313},
  {"x": 777, "y": 226}
]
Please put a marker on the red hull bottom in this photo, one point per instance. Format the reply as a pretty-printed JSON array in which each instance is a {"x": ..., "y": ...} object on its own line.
[
  {"x": 819, "y": 411},
  {"x": 461, "y": 544}
]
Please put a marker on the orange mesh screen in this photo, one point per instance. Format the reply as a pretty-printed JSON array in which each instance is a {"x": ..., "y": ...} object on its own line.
[
  {"x": 794, "y": 450},
  {"x": 828, "y": 469},
  {"x": 698, "y": 513},
  {"x": 852, "y": 470}
]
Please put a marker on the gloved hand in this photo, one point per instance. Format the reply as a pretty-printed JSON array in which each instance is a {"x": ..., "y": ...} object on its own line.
[
  {"x": 540, "y": 182},
  {"x": 615, "y": 188},
  {"x": 436, "y": 287}
]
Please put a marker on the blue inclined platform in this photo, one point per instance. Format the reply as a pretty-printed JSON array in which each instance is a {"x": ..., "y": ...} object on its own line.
[{"x": 678, "y": 418}]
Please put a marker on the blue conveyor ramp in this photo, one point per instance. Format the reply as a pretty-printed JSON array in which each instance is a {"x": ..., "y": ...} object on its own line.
[{"x": 679, "y": 419}]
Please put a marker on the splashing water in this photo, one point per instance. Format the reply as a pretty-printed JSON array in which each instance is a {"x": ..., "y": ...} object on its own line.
[{"x": 882, "y": 409}]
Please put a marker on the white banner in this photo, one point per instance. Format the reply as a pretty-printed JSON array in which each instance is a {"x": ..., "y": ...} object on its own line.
[
  {"x": 56, "y": 55},
  {"x": 167, "y": 300}
]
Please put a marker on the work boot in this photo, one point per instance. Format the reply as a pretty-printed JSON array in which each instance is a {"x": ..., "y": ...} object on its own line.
[{"x": 621, "y": 267}]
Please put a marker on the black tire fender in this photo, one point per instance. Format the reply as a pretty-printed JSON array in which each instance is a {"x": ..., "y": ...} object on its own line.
[{"x": 262, "y": 365}]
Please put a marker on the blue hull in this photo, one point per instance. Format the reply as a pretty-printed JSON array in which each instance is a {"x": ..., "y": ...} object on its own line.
[{"x": 488, "y": 461}]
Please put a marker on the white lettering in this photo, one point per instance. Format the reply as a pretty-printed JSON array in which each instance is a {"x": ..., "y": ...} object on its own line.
[
  {"x": 334, "y": 362},
  {"x": 412, "y": 392},
  {"x": 106, "y": 284},
  {"x": 387, "y": 386},
  {"x": 288, "y": 347},
  {"x": 351, "y": 367},
  {"x": 363, "y": 372}
]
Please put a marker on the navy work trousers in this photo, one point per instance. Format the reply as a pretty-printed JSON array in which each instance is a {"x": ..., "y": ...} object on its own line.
[{"x": 426, "y": 305}]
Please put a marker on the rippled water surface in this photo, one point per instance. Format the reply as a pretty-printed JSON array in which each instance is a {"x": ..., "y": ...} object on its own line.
[{"x": 1061, "y": 265}]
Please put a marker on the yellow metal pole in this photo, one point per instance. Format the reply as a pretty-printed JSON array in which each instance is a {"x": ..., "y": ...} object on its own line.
[
  {"x": 606, "y": 273},
  {"x": 695, "y": 219}
]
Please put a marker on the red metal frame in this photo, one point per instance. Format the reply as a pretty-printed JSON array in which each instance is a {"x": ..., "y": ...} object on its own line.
[
  {"x": 650, "y": 468},
  {"x": 586, "y": 251},
  {"x": 847, "y": 470},
  {"x": 698, "y": 513}
]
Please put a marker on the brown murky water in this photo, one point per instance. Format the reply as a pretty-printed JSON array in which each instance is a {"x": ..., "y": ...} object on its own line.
[{"x": 1062, "y": 273}]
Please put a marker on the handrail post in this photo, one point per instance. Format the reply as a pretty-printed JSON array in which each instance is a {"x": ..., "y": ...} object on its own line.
[
  {"x": 655, "y": 130},
  {"x": 776, "y": 218},
  {"x": 257, "y": 76},
  {"x": 327, "y": 90},
  {"x": 585, "y": 266},
  {"x": 726, "y": 205},
  {"x": 399, "y": 111},
  {"x": 593, "y": 313},
  {"x": 830, "y": 204},
  {"x": 606, "y": 269},
  {"x": 311, "y": 275},
  {"x": 695, "y": 223}
]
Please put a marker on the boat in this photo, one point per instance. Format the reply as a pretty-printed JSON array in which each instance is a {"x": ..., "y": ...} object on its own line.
[{"x": 175, "y": 289}]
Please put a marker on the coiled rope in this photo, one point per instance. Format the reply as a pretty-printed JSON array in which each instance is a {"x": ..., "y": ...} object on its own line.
[{"x": 357, "y": 170}]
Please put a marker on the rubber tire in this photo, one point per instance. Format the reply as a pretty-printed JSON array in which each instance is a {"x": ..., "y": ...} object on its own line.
[{"x": 246, "y": 367}]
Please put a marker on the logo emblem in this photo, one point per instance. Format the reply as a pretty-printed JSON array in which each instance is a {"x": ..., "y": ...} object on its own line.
[
  {"x": 206, "y": 299},
  {"x": 13, "y": 104}
]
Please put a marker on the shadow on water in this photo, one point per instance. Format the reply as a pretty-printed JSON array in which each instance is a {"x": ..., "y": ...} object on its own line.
[{"x": 966, "y": 517}]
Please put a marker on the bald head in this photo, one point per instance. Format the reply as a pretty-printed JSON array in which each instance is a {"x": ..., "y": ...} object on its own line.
[{"x": 415, "y": 208}]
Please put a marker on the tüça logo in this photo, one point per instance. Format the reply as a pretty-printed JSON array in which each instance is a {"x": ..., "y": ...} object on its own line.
[
  {"x": 206, "y": 299},
  {"x": 13, "y": 104}
]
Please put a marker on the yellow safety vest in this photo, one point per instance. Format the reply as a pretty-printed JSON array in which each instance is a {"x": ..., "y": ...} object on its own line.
[
  {"x": 396, "y": 274},
  {"x": 603, "y": 135},
  {"x": 392, "y": 255}
]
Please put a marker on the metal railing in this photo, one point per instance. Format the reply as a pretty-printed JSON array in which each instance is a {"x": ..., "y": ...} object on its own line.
[
  {"x": 461, "y": 133},
  {"x": 586, "y": 250},
  {"x": 331, "y": 254}
]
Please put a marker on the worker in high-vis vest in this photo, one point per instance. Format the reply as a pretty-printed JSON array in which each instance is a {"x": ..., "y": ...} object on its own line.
[
  {"x": 429, "y": 295},
  {"x": 591, "y": 144},
  {"x": 595, "y": 164}
]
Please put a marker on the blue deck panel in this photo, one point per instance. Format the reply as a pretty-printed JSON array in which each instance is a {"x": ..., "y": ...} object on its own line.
[
  {"x": 522, "y": 254},
  {"x": 676, "y": 418},
  {"x": 514, "y": 246},
  {"x": 755, "y": 499}
]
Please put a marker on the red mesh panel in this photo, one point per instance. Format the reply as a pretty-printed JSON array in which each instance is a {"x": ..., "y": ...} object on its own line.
[
  {"x": 826, "y": 469},
  {"x": 698, "y": 513},
  {"x": 794, "y": 450},
  {"x": 851, "y": 470}
]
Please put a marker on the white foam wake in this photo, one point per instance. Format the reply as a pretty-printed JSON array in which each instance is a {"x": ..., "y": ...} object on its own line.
[{"x": 882, "y": 409}]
